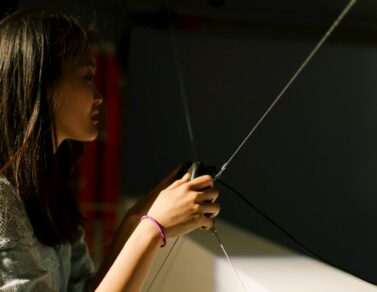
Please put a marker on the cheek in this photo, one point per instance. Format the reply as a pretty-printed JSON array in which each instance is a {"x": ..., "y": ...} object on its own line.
[
  {"x": 73, "y": 110},
  {"x": 76, "y": 101},
  {"x": 76, "y": 110}
]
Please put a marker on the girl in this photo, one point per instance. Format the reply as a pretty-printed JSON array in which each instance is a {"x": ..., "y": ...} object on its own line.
[{"x": 47, "y": 96}]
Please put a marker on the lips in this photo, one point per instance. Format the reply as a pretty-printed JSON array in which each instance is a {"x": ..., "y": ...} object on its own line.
[{"x": 95, "y": 117}]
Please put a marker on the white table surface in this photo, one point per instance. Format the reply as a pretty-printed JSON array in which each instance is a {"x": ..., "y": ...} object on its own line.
[{"x": 197, "y": 264}]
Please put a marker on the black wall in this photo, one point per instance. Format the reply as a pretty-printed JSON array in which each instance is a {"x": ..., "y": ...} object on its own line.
[
  {"x": 311, "y": 165},
  {"x": 7, "y": 5}
]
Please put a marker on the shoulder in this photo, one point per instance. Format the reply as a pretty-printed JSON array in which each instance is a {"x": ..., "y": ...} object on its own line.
[
  {"x": 15, "y": 227},
  {"x": 8, "y": 200},
  {"x": 5, "y": 187}
]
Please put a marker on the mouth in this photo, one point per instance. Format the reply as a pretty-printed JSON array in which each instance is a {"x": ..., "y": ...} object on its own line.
[{"x": 95, "y": 117}]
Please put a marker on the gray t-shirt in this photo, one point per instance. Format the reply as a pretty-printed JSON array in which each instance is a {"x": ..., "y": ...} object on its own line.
[{"x": 28, "y": 265}]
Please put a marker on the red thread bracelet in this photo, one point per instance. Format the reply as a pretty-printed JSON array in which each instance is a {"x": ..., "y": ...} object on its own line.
[{"x": 158, "y": 225}]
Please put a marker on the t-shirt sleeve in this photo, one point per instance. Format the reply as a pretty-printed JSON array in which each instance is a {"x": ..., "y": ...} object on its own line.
[{"x": 21, "y": 268}]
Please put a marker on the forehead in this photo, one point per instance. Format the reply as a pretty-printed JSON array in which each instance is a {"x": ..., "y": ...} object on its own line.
[
  {"x": 86, "y": 61},
  {"x": 87, "y": 65}
]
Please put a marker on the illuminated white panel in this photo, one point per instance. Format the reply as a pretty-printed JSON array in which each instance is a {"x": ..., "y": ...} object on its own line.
[{"x": 197, "y": 264}]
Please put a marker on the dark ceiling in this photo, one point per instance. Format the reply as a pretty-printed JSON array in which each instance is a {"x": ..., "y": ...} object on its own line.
[{"x": 113, "y": 16}]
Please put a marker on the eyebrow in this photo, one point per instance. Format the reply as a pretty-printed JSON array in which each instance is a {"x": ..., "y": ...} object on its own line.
[
  {"x": 88, "y": 63},
  {"x": 92, "y": 64}
]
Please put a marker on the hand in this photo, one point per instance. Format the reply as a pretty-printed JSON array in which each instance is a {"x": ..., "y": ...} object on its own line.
[
  {"x": 182, "y": 206},
  {"x": 143, "y": 205}
]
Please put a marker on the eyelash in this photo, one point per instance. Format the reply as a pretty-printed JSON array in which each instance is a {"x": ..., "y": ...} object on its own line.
[{"x": 89, "y": 77}]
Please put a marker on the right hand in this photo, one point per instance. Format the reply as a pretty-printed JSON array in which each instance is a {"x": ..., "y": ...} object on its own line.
[{"x": 181, "y": 207}]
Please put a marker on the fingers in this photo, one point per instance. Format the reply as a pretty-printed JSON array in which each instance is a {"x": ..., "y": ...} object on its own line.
[
  {"x": 211, "y": 209},
  {"x": 178, "y": 182},
  {"x": 193, "y": 204},
  {"x": 208, "y": 227},
  {"x": 201, "y": 182},
  {"x": 208, "y": 195},
  {"x": 205, "y": 223}
]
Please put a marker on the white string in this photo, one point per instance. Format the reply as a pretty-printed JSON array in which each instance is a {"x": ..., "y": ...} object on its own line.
[
  {"x": 293, "y": 78},
  {"x": 224, "y": 166},
  {"x": 189, "y": 126},
  {"x": 183, "y": 94},
  {"x": 216, "y": 234},
  {"x": 163, "y": 263}
]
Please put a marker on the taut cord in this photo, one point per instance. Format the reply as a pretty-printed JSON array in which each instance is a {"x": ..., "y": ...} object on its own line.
[
  {"x": 279, "y": 96},
  {"x": 178, "y": 66},
  {"x": 162, "y": 265},
  {"x": 289, "y": 83},
  {"x": 191, "y": 136},
  {"x": 183, "y": 94}
]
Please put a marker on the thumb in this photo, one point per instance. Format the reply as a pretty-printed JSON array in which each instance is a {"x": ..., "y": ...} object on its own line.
[{"x": 178, "y": 182}]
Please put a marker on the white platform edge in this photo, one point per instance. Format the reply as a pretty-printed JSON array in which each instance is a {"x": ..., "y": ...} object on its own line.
[{"x": 197, "y": 264}]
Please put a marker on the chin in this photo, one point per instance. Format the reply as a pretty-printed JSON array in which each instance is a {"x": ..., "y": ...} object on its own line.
[
  {"x": 92, "y": 138},
  {"x": 88, "y": 137}
]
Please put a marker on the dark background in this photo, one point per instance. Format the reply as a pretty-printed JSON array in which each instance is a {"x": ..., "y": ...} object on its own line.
[{"x": 311, "y": 165}]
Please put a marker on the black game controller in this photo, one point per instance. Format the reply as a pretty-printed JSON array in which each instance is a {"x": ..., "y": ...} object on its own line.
[{"x": 196, "y": 169}]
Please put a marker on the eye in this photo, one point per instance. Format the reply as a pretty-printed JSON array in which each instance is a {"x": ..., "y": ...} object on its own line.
[{"x": 89, "y": 77}]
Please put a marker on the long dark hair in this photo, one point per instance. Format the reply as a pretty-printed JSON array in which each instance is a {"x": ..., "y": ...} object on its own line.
[{"x": 33, "y": 48}]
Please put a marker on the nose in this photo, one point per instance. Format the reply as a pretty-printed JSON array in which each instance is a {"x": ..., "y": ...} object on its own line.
[{"x": 98, "y": 99}]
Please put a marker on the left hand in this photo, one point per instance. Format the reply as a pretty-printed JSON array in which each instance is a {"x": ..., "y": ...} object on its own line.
[
  {"x": 142, "y": 206},
  {"x": 182, "y": 207}
]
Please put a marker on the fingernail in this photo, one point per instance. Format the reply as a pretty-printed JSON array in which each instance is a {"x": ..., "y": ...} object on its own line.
[{"x": 186, "y": 176}]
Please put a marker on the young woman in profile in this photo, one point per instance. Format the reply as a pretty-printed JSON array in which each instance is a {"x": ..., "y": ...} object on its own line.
[{"x": 47, "y": 96}]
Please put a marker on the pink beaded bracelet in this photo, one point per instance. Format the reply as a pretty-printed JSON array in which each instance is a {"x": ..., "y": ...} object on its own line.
[{"x": 158, "y": 225}]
